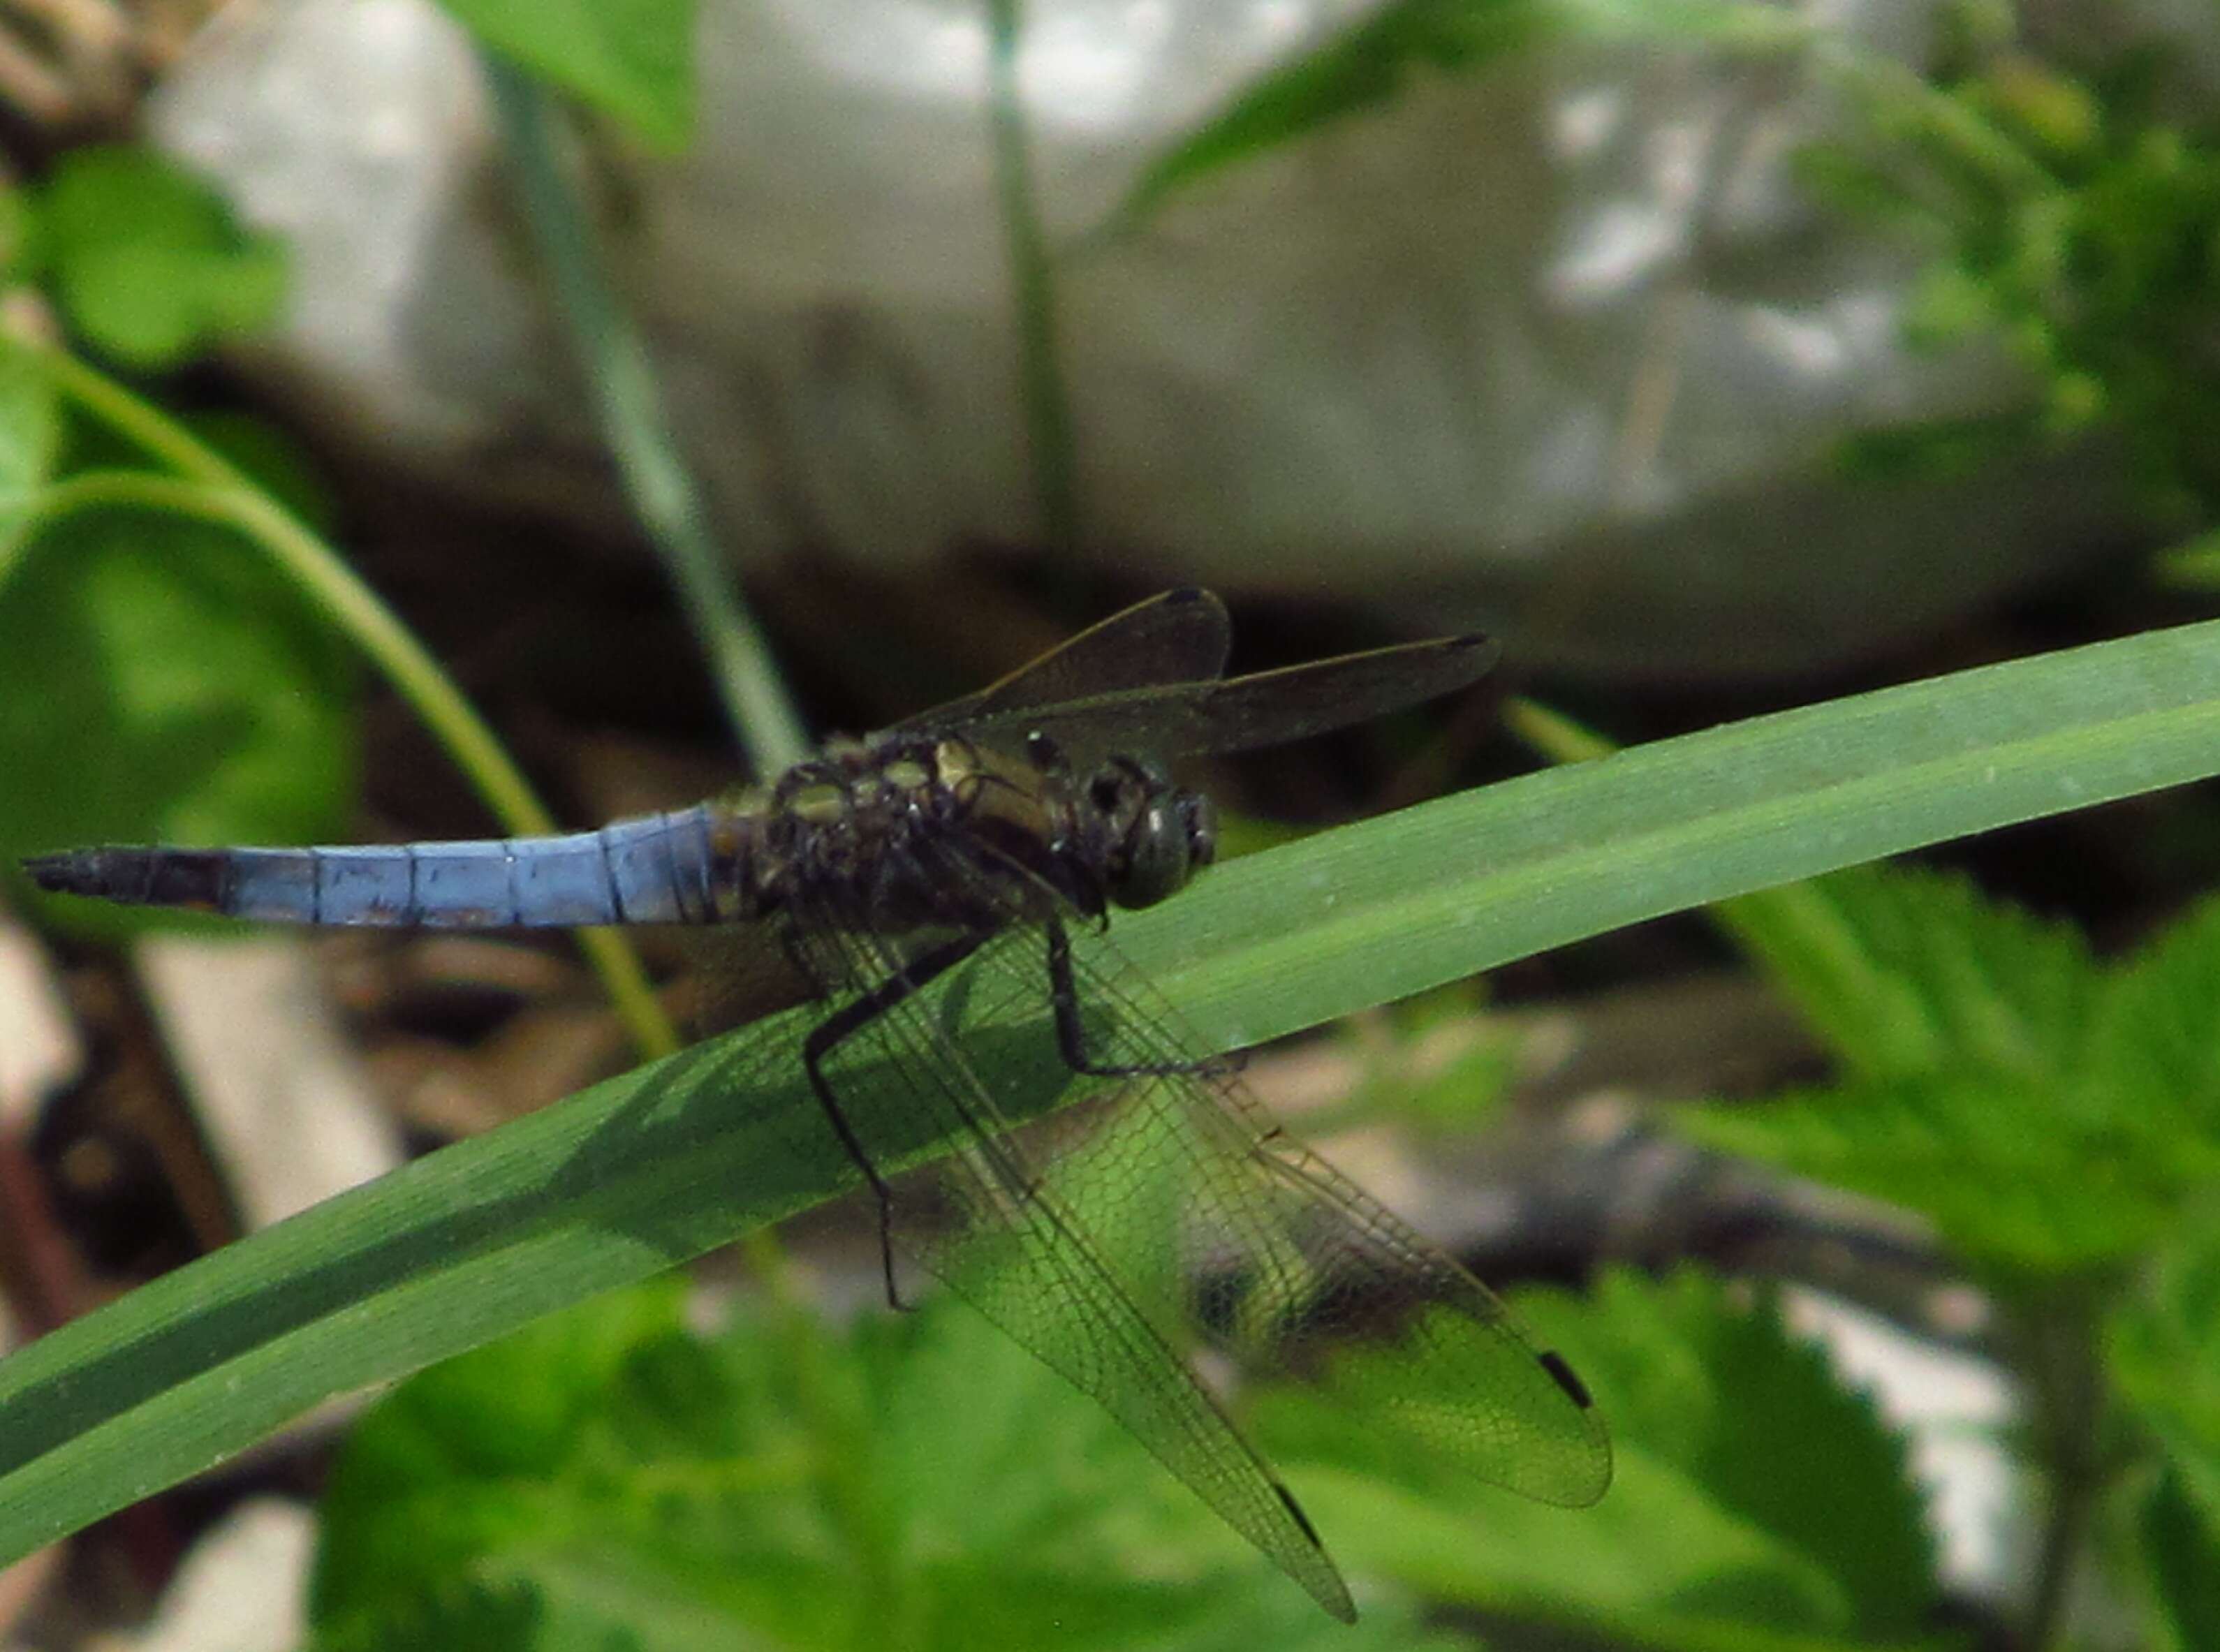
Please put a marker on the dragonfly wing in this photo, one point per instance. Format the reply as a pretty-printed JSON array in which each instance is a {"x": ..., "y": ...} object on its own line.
[
  {"x": 1274, "y": 1257},
  {"x": 1265, "y": 709},
  {"x": 997, "y": 1223},
  {"x": 1180, "y": 637},
  {"x": 1268, "y": 708}
]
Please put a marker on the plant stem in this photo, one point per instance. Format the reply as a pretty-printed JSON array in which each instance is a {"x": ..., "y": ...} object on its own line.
[
  {"x": 1050, "y": 443},
  {"x": 620, "y": 376},
  {"x": 1899, "y": 93},
  {"x": 2067, "y": 1373}
]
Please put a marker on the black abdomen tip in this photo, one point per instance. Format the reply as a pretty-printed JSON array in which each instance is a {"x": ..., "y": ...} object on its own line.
[
  {"x": 76, "y": 873},
  {"x": 144, "y": 877}
]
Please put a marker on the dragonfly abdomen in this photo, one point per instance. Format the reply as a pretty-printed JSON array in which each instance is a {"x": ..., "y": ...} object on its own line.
[{"x": 687, "y": 866}]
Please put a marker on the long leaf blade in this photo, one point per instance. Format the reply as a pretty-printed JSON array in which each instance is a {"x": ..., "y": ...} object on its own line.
[{"x": 634, "y": 1174}]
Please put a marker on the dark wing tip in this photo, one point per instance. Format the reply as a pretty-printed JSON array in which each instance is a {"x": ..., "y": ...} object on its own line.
[
  {"x": 1322, "y": 1578},
  {"x": 1566, "y": 1378},
  {"x": 1587, "y": 1483},
  {"x": 1298, "y": 1514}
]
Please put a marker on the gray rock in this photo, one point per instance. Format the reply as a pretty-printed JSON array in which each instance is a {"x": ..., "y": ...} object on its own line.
[{"x": 1556, "y": 347}]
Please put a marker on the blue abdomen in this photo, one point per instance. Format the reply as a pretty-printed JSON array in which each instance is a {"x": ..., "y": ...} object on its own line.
[{"x": 681, "y": 867}]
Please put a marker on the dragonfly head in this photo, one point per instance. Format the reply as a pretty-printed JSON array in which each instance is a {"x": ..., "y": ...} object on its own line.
[{"x": 1157, "y": 833}]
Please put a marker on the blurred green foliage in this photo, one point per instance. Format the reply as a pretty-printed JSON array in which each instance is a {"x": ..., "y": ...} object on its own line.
[
  {"x": 1365, "y": 67},
  {"x": 2072, "y": 213},
  {"x": 632, "y": 59},
  {"x": 147, "y": 263},
  {"x": 917, "y": 1481},
  {"x": 162, "y": 677},
  {"x": 165, "y": 683},
  {"x": 2057, "y": 1119}
]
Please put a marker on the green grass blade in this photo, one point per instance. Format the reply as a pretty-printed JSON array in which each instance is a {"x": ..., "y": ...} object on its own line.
[
  {"x": 1044, "y": 389},
  {"x": 633, "y": 1175},
  {"x": 619, "y": 378},
  {"x": 1280, "y": 941}
]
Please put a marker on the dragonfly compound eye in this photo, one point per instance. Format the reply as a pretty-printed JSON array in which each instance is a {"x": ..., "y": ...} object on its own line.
[
  {"x": 1156, "y": 859},
  {"x": 1157, "y": 833}
]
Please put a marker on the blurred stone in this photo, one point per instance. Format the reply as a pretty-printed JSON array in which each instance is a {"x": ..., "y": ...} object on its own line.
[
  {"x": 40, "y": 1050},
  {"x": 280, "y": 1097},
  {"x": 244, "y": 1588},
  {"x": 1556, "y": 347}
]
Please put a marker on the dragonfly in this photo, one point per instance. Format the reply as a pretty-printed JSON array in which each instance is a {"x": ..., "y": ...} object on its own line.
[{"x": 985, "y": 845}]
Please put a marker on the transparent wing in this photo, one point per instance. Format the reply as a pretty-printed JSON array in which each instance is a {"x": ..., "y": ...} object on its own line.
[
  {"x": 992, "y": 1221},
  {"x": 1286, "y": 1265},
  {"x": 1148, "y": 680},
  {"x": 1178, "y": 1215},
  {"x": 1264, "y": 709},
  {"x": 1179, "y": 637}
]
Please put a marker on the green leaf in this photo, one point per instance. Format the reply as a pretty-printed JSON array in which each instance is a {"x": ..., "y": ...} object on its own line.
[
  {"x": 631, "y": 59},
  {"x": 1947, "y": 306},
  {"x": 916, "y": 1482},
  {"x": 2045, "y": 1116},
  {"x": 165, "y": 684},
  {"x": 2156, "y": 1035},
  {"x": 1712, "y": 1383},
  {"x": 19, "y": 235},
  {"x": 149, "y": 262},
  {"x": 486, "y": 1618},
  {"x": 2007, "y": 1172},
  {"x": 998, "y": 1469},
  {"x": 2180, "y": 1552},
  {"x": 1722, "y": 1425},
  {"x": 646, "y": 1170},
  {"x": 1281, "y": 941},
  {"x": 2192, "y": 566},
  {"x": 30, "y": 437},
  {"x": 433, "y": 1477},
  {"x": 2163, "y": 1347},
  {"x": 1907, "y": 973},
  {"x": 1409, "y": 40}
]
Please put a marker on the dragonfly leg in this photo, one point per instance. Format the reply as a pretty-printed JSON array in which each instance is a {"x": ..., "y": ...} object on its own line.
[
  {"x": 850, "y": 1019},
  {"x": 1071, "y": 1029}
]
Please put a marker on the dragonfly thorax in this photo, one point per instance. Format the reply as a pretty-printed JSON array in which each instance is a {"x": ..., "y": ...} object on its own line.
[
  {"x": 905, "y": 831},
  {"x": 908, "y": 831}
]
